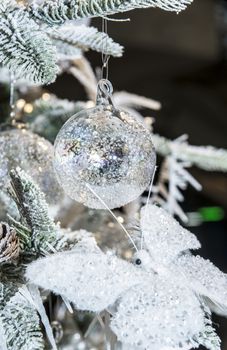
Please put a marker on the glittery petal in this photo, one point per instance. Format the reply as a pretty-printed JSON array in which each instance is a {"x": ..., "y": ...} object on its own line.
[
  {"x": 206, "y": 279},
  {"x": 158, "y": 314},
  {"x": 91, "y": 280},
  {"x": 164, "y": 237}
]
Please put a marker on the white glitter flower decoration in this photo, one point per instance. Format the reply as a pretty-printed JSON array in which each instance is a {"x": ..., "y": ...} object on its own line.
[{"x": 159, "y": 300}]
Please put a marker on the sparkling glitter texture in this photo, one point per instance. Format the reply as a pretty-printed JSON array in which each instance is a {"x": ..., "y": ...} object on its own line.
[
  {"x": 158, "y": 314},
  {"x": 149, "y": 310},
  {"x": 32, "y": 153},
  {"x": 156, "y": 303},
  {"x": 164, "y": 234},
  {"x": 106, "y": 150},
  {"x": 85, "y": 272}
]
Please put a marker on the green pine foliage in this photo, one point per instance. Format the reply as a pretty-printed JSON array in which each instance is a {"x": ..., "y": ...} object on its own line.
[
  {"x": 37, "y": 230},
  {"x": 32, "y": 51},
  {"x": 59, "y": 11},
  {"x": 20, "y": 327},
  {"x": 33, "y": 207},
  {"x": 33, "y": 40},
  {"x": 209, "y": 339},
  {"x": 25, "y": 49},
  {"x": 21, "y": 324},
  {"x": 205, "y": 157},
  {"x": 84, "y": 38}
]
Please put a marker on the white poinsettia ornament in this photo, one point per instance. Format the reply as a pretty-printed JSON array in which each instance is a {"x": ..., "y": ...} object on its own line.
[{"x": 157, "y": 301}]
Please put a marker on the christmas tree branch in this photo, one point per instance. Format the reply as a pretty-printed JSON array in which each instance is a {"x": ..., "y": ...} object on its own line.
[
  {"x": 45, "y": 235},
  {"x": 31, "y": 50},
  {"x": 57, "y": 12},
  {"x": 84, "y": 38},
  {"x": 205, "y": 157},
  {"x": 20, "y": 322},
  {"x": 127, "y": 99},
  {"x": 25, "y": 49},
  {"x": 209, "y": 338}
]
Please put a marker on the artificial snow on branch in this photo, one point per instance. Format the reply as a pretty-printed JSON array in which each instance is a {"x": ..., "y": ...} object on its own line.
[
  {"x": 83, "y": 37},
  {"x": 6, "y": 5},
  {"x": 21, "y": 325},
  {"x": 129, "y": 100},
  {"x": 34, "y": 210},
  {"x": 58, "y": 12},
  {"x": 173, "y": 179},
  {"x": 25, "y": 49},
  {"x": 205, "y": 157},
  {"x": 39, "y": 233},
  {"x": 31, "y": 50}
]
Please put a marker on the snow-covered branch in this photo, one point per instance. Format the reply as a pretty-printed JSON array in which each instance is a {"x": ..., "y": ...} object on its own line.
[
  {"x": 58, "y": 12},
  {"x": 205, "y": 157}
]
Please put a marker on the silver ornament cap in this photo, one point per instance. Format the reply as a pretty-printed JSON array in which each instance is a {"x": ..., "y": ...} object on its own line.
[{"x": 104, "y": 155}]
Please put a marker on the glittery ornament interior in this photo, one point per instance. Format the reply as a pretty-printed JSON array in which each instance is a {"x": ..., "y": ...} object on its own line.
[
  {"x": 108, "y": 151},
  {"x": 33, "y": 154}
]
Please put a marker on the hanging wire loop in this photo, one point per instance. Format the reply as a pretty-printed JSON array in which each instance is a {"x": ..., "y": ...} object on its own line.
[{"x": 104, "y": 93}]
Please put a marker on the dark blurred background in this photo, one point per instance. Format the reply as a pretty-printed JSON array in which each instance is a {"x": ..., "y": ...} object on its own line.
[{"x": 180, "y": 60}]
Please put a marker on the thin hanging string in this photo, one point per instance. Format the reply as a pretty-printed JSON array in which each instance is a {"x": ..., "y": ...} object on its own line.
[
  {"x": 114, "y": 216},
  {"x": 12, "y": 98},
  {"x": 150, "y": 188},
  {"x": 146, "y": 206},
  {"x": 105, "y": 56}
]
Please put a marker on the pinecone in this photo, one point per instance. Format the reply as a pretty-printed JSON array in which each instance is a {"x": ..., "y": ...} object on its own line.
[{"x": 9, "y": 243}]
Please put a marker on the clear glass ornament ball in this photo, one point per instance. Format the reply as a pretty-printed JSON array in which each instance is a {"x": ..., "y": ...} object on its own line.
[
  {"x": 32, "y": 153},
  {"x": 103, "y": 152}
]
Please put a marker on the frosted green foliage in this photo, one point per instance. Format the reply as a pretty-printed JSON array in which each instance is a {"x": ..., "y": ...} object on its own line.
[
  {"x": 21, "y": 325},
  {"x": 209, "y": 338},
  {"x": 57, "y": 12},
  {"x": 33, "y": 207},
  {"x": 67, "y": 51},
  {"x": 29, "y": 52},
  {"x": 7, "y": 4},
  {"x": 55, "y": 107},
  {"x": 205, "y": 157},
  {"x": 25, "y": 49},
  {"x": 19, "y": 322},
  {"x": 49, "y": 116},
  {"x": 7, "y": 290},
  {"x": 85, "y": 38},
  {"x": 40, "y": 235}
]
